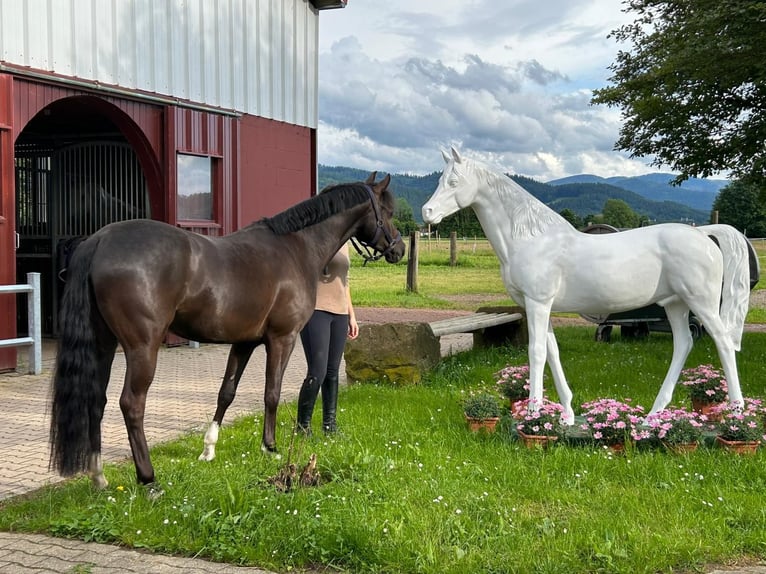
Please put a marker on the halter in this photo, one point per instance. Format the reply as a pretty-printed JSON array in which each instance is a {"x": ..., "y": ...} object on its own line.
[{"x": 368, "y": 246}]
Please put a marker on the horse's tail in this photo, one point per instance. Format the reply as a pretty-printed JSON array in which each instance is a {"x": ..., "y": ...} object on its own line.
[
  {"x": 78, "y": 398},
  {"x": 735, "y": 293}
]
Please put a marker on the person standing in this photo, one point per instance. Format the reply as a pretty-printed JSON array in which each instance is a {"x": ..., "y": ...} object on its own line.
[{"x": 324, "y": 339}]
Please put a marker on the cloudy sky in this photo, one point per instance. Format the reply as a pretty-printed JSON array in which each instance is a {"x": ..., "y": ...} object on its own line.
[{"x": 507, "y": 81}]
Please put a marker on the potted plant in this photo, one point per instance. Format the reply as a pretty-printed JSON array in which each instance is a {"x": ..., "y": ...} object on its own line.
[
  {"x": 741, "y": 429},
  {"x": 513, "y": 383},
  {"x": 611, "y": 423},
  {"x": 538, "y": 424},
  {"x": 678, "y": 430},
  {"x": 482, "y": 410},
  {"x": 706, "y": 386}
]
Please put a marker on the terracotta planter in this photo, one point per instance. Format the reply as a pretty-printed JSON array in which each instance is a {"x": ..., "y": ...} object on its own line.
[
  {"x": 536, "y": 441},
  {"x": 707, "y": 409},
  {"x": 683, "y": 448},
  {"x": 488, "y": 425},
  {"x": 738, "y": 446}
]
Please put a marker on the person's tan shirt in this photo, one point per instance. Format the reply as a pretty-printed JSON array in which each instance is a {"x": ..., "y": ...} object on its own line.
[{"x": 332, "y": 294}]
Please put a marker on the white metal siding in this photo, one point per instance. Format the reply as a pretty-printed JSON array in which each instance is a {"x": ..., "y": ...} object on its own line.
[{"x": 253, "y": 56}]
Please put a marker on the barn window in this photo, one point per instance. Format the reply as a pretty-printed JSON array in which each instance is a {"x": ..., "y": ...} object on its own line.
[{"x": 195, "y": 188}]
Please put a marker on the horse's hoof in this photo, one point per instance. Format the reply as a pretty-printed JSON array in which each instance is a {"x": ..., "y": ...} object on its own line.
[
  {"x": 154, "y": 491},
  {"x": 272, "y": 450},
  {"x": 99, "y": 481},
  {"x": 208, "y": 454}
]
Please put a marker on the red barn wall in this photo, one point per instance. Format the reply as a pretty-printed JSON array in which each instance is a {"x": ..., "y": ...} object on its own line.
[
  {"x": 7, "y": 223},
  {"x": 264, "y": 166},
  {"x": 277, "y": 167}
]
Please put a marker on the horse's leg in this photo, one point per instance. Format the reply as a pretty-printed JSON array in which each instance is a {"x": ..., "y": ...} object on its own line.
[
  {"x": 104, "y": 369},
  {"x": 678, "y": 317},
  {"x": 726, "y": 352},
  {"x": 538, "y": 321},
  {"x": 562, "y": 388},
  {"x": 278, "y": 351},
  {"x": 239, "y": 355},
  {"x": 141, "y": 364}
]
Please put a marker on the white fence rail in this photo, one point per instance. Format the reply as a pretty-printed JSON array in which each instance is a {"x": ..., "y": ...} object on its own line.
[{"x": 34, "y": 341}]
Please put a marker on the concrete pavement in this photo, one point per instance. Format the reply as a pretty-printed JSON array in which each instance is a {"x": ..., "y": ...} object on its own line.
[{"x": 182, "y": 398}]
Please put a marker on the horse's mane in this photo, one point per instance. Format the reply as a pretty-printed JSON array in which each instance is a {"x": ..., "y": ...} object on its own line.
[
  {"x": 332, "y": 200},
  {"x": 528, "y": 216}
]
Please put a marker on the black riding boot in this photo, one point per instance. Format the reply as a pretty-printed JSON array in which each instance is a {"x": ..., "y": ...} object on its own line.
[
  {"x": 329, "y": 403},
  {"x": 306, "y": 400}
]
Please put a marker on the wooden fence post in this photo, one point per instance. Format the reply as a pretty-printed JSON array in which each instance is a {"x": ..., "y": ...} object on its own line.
[
  {"x": 412, "y": 263},
  {"x": 452, "y": 248}
]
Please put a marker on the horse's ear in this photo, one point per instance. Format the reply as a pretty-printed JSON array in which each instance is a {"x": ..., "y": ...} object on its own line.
[
  {"x": 456, "y": 155},
  {"x": 445, "y": 156},
  {"x": 371, "y": 179},
  {"x": 385, "y": 181}
]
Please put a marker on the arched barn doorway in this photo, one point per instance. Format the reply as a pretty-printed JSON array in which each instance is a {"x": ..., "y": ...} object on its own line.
[{"x": 75, "y": 172}]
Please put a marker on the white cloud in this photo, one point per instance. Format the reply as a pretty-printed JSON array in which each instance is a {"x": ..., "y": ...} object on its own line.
[{"x": 509, "y": 81}]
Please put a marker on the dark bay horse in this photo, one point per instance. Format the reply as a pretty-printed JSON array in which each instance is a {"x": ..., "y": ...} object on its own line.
[{"x": 132, "y": 281}]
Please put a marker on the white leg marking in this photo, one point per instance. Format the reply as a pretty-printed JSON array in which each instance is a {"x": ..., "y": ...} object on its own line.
[
  {"x": 96, "y": 471},
  {"x": 211, "y": 438}
]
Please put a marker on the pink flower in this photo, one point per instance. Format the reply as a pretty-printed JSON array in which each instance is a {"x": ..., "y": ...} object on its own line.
[{"x": 611, "y": 421}]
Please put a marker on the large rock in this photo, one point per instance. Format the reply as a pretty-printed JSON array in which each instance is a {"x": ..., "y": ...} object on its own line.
[{"x": 395, "y": 352}]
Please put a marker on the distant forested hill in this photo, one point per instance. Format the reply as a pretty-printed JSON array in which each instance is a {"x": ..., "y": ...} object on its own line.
[
  {"x": 582, "y": 197},
  {"x": 696, "y": 193}
]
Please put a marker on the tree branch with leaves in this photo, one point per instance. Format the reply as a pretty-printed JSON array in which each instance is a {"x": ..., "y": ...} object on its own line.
[{"x": 692, "y": 88}]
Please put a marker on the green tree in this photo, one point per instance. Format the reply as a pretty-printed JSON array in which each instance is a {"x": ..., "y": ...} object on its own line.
[
  {"x": 739, "y": 205},
  {"x": 404, "y": 218},
  {"x": 464, "y": 222},
  {"x": 693, "y": 86},
  {"x": 592, "y": 219},
  {"x": 618, "y": 214},
  {"x": 571, "y": 217}
]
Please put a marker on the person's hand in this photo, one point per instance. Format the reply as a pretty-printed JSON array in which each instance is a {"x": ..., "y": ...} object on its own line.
[{"x": 353, "y": 328}]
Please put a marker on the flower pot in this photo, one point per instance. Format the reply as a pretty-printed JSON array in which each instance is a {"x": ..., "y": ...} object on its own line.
[
  {"x": 738, "y": 446},
  {"x": 682, "y": 448},
  {"x": 514, "y": 405},
  {"x": 707, "y": 409},
  {"x": 488, "y": 425},
  {"x": 536, "y": 441}
]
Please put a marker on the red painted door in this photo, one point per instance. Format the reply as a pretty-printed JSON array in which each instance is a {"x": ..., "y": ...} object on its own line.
[{"x": 7, "y": 227}]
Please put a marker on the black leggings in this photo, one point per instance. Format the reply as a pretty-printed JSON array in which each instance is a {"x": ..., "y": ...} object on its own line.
[{"x": 324, "y": 338}]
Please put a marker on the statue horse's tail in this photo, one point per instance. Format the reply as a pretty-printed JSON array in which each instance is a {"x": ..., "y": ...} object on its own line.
[
  {"x": 737, "y": 263},
  {"x": 78, "y": 398}
]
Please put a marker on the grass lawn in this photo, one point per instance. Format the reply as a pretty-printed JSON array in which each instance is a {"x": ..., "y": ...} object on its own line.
[{"x": 408, "y": 489}]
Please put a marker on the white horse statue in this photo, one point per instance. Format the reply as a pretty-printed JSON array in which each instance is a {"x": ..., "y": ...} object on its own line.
[{"x": 547, "y": 265}]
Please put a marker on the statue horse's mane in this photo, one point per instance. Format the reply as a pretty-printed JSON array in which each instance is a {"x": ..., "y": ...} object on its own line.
[
  {"x": 316, "y": 209},
  {"x": 527, "y": 215}
]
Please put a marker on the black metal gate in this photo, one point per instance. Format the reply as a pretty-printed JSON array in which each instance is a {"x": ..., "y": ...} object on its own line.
[{"x": 70, "y": 192}]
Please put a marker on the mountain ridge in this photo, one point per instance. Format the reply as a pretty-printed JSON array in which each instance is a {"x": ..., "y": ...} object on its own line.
[
  {"x": 585, "y": 194},
  {"x": 696, "y": 193}
]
